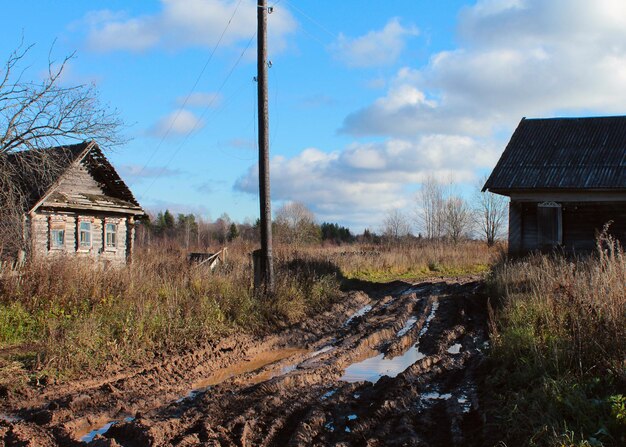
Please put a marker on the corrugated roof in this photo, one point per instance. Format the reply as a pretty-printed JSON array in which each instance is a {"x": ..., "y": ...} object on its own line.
[
  {"x": 563, "y": 153},
  {"x": 36, "y": 183}
]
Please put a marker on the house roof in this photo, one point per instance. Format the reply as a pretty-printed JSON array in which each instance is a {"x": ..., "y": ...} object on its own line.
[
  {"x": 563, "y": 154},
  {"x": 56, "y": 161}
]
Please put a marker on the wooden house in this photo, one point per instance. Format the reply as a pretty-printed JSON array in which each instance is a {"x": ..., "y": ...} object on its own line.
[
  {"x": 82, "y": 209},
  {"x": 566, "y": 178}
]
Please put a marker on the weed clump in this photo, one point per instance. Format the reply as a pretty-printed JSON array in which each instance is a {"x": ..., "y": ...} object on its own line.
[{"x": 558, "y": 356}]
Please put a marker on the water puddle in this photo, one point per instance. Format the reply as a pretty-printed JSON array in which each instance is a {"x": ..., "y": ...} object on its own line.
[
  {"x": 431, "y": 315},
  {"x": 434, "y": 395},
  {"x": 407, "y": 326},
  {"x": 256, "y": 362},
  {"x": 417, "y": 290},
  {"x": 455, "y": 348},
  {"x": 329, "y": 426},
  {"x": 10, "y": 419},
  {"x": 352, "y": 417},
  {"x": 322, "y": 351},
  {"x": 359, "y": 313},
  {"x": 373, "y": 368},
  {"x": 103, "y": 429},
  {"x": 466, "y": 405},
  {"x": 327, "y": 394}
]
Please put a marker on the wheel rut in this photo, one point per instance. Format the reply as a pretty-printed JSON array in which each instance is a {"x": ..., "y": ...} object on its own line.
[{"x": 399, "y": 365}]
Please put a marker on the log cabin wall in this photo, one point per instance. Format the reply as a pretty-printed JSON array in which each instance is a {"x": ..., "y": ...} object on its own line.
[{"x": 44, "y": 222}]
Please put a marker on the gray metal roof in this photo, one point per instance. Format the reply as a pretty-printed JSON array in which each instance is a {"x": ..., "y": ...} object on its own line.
[{"x": 565, "y": 154}]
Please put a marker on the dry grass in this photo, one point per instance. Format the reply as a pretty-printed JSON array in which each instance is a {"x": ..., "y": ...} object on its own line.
[
  {"x": 70, "y": 316},
  {"x": 410, "y": 260},
  {"x": 558, "y": 348}
]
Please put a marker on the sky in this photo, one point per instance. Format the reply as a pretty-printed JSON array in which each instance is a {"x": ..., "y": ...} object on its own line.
[{"x": 366, "y": 99}]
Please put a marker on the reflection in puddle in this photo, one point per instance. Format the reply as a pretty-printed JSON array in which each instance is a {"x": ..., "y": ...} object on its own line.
[
  {"x": 9, "y": 418},
  {"x": 359, "y": 313},
  {"x": 430, "y": 317},
  {"x": 327, "y": 394},
  {"x": 373, "y": 368},
  {"x": 466, "y": 405},
  {"x": 352, "y": 417},
  {"x": 322, "y": 351},
  {"x": 416, "y": 290},
  {"x": 407, "y": 326},
  {"x": 257, "y": 362},
  {"x": 455, "y": 348},
  {"x": 102, "y": 430},
  {"x": 329, "y": 426},
  {"x": 433, "y": 395}
]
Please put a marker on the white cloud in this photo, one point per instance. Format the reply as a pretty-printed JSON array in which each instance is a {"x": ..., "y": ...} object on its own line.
[
  {"x": 375, "y": 48},
  {"x": 184, "y": 23},
  {"x": 132, "y": 173},
  {"x": 357, "y": 185},
  {"x": 517, "y": 58},
  {"x": 178, "y": 122},
  {"x": 201, "y": 99}
]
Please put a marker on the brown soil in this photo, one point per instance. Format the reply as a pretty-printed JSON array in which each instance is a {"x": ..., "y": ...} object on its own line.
[{"x": 296, "y": 387}]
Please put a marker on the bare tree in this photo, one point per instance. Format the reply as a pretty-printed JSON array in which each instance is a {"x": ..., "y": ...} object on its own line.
[
  {"x": 490, "y": 213},
  {"x": 295, "y": 224},
  {"x": 396, "y": 225},
  {"x": 430, "y": 212},
  {"x": 457, "y": 218},
  {"x": 38, "y": 115}
]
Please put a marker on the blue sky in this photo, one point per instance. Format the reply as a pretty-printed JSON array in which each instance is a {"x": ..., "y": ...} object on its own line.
[{"x": 366, "y": 98}]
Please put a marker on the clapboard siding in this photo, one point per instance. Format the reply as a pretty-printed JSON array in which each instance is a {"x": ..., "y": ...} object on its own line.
[
  {"x": 529, "y": 227},
  {"x": 581, "y": 223}
]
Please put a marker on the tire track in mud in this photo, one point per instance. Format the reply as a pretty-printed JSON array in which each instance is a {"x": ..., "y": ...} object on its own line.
[{"x": 395, "y": 366}]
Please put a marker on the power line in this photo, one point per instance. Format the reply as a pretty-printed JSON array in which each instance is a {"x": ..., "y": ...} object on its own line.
[
  {"x": 196, "y": 124},
  {"x": 312, "y": 20},
  {"x": 192, "y": 90}
]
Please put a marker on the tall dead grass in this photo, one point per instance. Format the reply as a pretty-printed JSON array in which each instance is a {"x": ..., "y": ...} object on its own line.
[
  {"x": 69, "y": 315},
  {"x": 559, "y": 348},
  {"x": 408, "y": 260}
]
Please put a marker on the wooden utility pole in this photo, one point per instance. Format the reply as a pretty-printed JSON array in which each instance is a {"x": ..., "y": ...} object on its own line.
[{"x": 266, "y": 265}]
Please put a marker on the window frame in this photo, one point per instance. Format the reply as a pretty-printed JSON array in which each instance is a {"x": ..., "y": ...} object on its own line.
[
  {"x": 55, "y": 244},
  {"x": 113, "y": 246},
  {"x": 82, "y": 245}
]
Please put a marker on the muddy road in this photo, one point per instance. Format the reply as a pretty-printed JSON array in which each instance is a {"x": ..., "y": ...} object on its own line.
[{"x": 393, "y": 364}]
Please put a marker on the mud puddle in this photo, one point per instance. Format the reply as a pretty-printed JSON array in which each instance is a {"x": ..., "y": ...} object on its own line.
[
  {"x": 257, "y": 362},
  {"x": 359, "y": 313},
  {"x": 373, "y": 368},
  {"x": 407, "y": 326},
  {"x": 90, "y": 433}
]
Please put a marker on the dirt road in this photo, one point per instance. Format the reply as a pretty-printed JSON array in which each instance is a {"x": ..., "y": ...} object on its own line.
[{"x": 393, "y": 364}]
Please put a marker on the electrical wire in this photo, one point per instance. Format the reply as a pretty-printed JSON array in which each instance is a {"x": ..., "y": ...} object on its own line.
[
  {"x": 192, "y": 90},
  {"x": 197, "y": 123}
]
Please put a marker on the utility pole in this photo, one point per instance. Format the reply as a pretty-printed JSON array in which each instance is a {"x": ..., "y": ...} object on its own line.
[{"x": 266, "y": 265}]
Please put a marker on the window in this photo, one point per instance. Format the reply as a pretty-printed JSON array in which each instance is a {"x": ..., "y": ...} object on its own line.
[
  {"x": 84, "y": 234},
  {"x": 57, "y": 239},
  {"x": 110, "y": 235},
  {"x": 549, "y": 224}
]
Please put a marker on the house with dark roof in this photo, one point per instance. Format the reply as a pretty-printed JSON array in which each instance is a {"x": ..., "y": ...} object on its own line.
[
  {"x": 566, "y": 178},
  {"x": 81, "y": 207}
]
